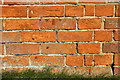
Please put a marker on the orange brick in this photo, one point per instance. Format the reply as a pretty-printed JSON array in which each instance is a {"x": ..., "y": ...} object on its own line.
[
  {"x": 117, "y": 59},
  {"x": 10, "y": 37},
  {"x": 75, "y": 60},
  {"x": 1, "y": 24},
  {"x": 103, "y": 35},
  {"x": 15, "y": 61},
  {"x": 57, "y": 24},
  {"x": 40, "y": 60},
  {"x": 73, "y": 36},
  {"x": 74, "y": 10},
  {"x": 111, "y": 47},
  {"x": 89, "y": 47},
  {"x": 57, "y": 48},
  {"x": 89, "y": 60},
  {"x": 10, "y": 2},
  {"x": 89, "y": 23},
  {"x": 14, "y": 11},
  {"x": 46, "y": 11},
  {"x": 1, "y": 49},
  {"x": 89, "y": 10},
  {"x": 21, "y": 24},
  {"x": 112, "y": 23},
  {"x": 116, "y": 70},
  {"x": 104, "y": 10},
  {"x": 117, "y": 35},
  {"x": 118, "y": 10},
  {"x": 103, "y": 59},
  {"x": 38, "y": 36},
  {"x": 12, "y": 49}
]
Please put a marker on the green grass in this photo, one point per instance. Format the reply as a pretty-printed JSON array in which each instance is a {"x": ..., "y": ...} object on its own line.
[{"x": 46, "y": 74}]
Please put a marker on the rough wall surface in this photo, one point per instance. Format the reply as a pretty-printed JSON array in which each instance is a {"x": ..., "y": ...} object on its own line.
[{"x": 79, "y": 36}]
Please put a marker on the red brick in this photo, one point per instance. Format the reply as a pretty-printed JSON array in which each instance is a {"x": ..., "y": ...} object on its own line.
[
  {"x": 104, "y": 10},
  {"x": 74, "y": 10},
  {"x": 117, "y": 59},
  {"x": 14, "y": 11},
  {"x": 57, "y": 48},
  {"x": 21, "y": 24},
  {"x": 89, "y": 10},
  {"x": 89, "y": 60},
  {"x": 15, "y": 61},
  {"x": 117, "y": 35},
  {"x": 118, "y": 10},
  {"x": 12, "y": 49},
  {"x": 46, "y": 11},
  {"x": 10, "y": 37},
  {"x": 75, "y": 60},
  {"x": 1, "y": 49},
  {"x": 103, "y": 35},
  {"x": 89, "y": 47},
  {"x": 57, "y": 24},
  {"x": 116, "y": 70},
  {"x": 106, "y": 59},
  {"x": 112, "y": 23},
  {"x": 40, "y": 60},
  {"x": 90, "y": 23},
  {"x": 111, "y": 47},
  {"x": 1, "y": 24},
  {"x": 38, "y": 36},
  {"x": 72, "y": 36}
]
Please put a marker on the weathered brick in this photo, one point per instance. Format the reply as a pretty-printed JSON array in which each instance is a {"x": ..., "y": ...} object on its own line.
[
  {"x": 103, "y": 35},
  {"x": 118, "y": 10},
  {"x": 10, "y": 2},
  {"x": 46, "y": 11},
  {"x": 75, "y": 60},
  {"x": 40, "y": 60},
  {"x": 1, "y": 24},
  {"x": 89, "y": 48},
  {"x": 38, "y": 36},
  {"x": 112, "y": 23},
  {"x": 89, "y": 60},
  {"x": 116, "y": 70},
  {"x": 72, "y": 36},
  {"x": 58, "y": 48},
  {"x": 117, "y": 59},
  {"x": 14, "y": 11},
  {"x": 57, "y": 24},
  {"x": 106, "y": 59},
  {"x": 111, "y": 47},
  {"x": 15, "y": 61},
  {"x": 90, "y": 23},
  {"x": 1, "y": 49},
  {"x": 12, "y": 49},
  {"x": 21, "y": 24},
  {"x": 89, "y": 10},
  {"x": 117, "y": 35},
  {"x": 74, "y": 11},
  {"x": 104, "y": 10}
]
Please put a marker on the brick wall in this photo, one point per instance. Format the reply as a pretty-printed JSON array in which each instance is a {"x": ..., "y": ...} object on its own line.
[{"x": 79, "y": 36}]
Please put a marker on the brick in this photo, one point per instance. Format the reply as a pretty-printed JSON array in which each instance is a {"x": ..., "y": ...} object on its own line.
[
  {"x": 14, "y": 11},
  {"x": 118, "y": 10},
  {"x": 58, "y": 48},
  {"x": 89, "y": 60},
  {"x": 13, "y": 2},
  {"x": 1, "y": 49},
  {"x": 65, "y": 1},
  {"x": 73, "y": 36},
  {"x": 89, "y": 48},
  {"x": 117, "y": 35},
  {"x": 21, "y": 24},
  {"x": 117, "y": 59},
  {"x": 12, "y": 49},
  {"x": 116, "y": 70},
  {"x": 103, "y": 35},
  {"x": 10, "y": 37},
  {"x": 38, "y": 36},
  {"x": 46, "y": 11},
  {"x": 104, "y": 10},
  {"x": 57, "y": 24},
  {"x": 40, "y": 60},
  {"x": 75, "y": 60},
  {"x": 15, "y": 61},
  {"x": 112, "y": 23},
  {"x": 74, "y": 11},
  {"x": 111, "y": 47},
  {"x": 90, "y": 23},
  {"x": 1, "y": 24},
  {"x": 103, "y": 59},
  {"x": 89, "y": 10}
]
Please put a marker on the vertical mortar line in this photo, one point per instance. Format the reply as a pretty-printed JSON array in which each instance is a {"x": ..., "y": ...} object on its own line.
[
  {"x": 103, "y": 23},
  {"x": 113, "y": 36},
  {"x": 4, "y": 49},
  {"x": 84, "y": 61},
  {"x": 84, "y": 10},
  {"x": 76, "y": 24},
  {"x": 65, "y": 60},
  {"x": 57, "y": 36},
  {"x": 112, "y": 66},
  {"x": 28, "y": 11},
  {"x": 64, "y": 11},
  {"x": 77, "y": 48},
  {"x": 29, "y": 61},
  {"x": 93, "y": 62},
  {"x": 114, "y": 11},
  {"x": 93, "y": 36},
  {"x": 101, "y": 48},
  {"x": 2, "y": 1}
]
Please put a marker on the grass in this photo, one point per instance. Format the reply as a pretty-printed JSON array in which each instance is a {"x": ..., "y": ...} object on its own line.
[{"x": 46, "y": 74}]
